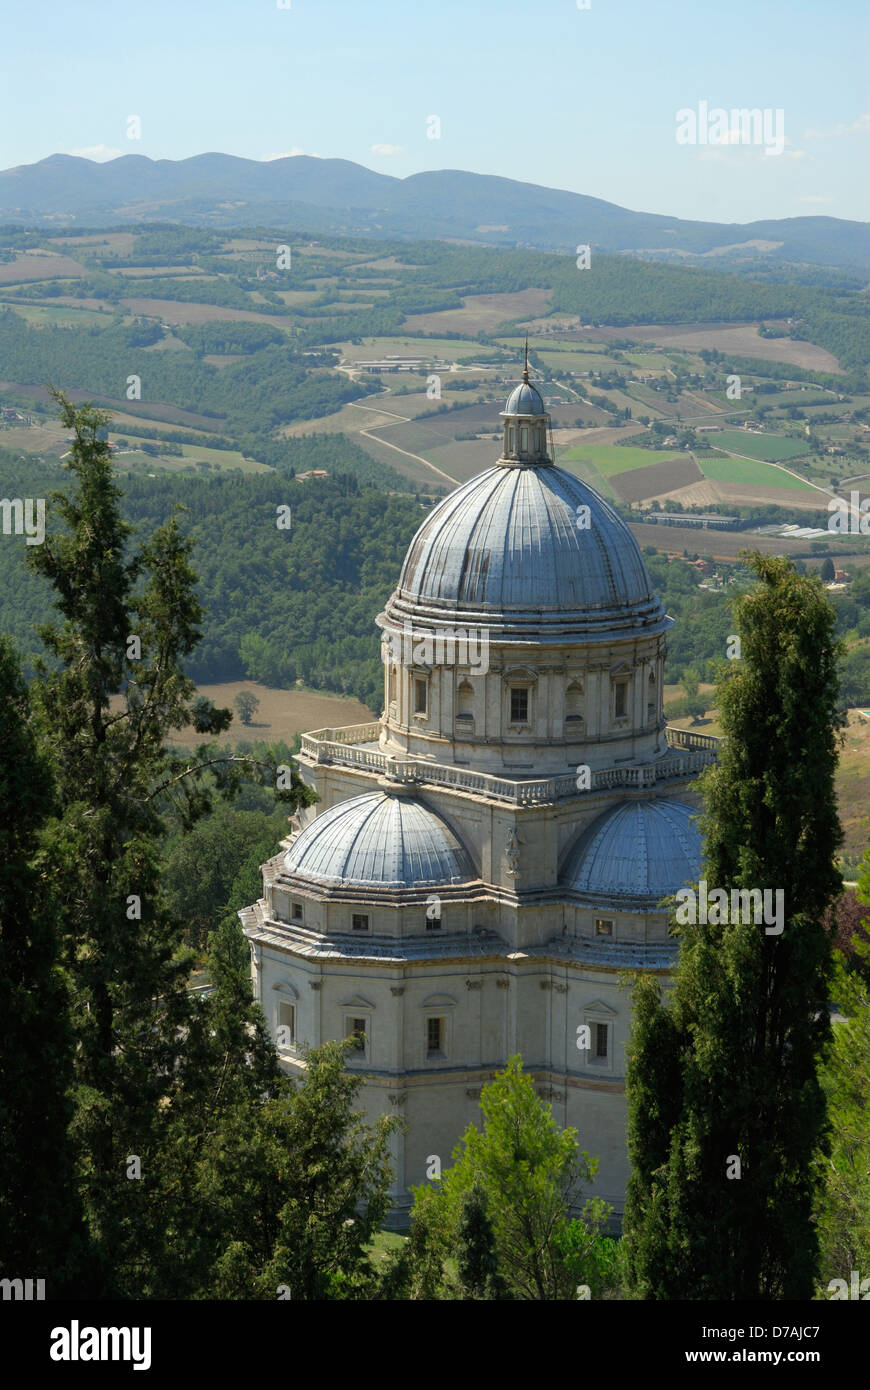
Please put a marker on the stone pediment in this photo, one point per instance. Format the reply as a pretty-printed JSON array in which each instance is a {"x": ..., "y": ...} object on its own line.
[
  {"x": 286, "y": 987},
  {"x": 439, "y": 1001},
  {"x": 599, "y": 1007},
  {"x": 356, "y": 1001}
]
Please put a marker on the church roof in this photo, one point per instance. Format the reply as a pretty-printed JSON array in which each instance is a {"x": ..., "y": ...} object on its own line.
[
  {"x": 515, "y": 549},
  {"x": 635, "y": 854},
  {"x": 525, "y": 399},
  {"x": 379, "y": 840}
]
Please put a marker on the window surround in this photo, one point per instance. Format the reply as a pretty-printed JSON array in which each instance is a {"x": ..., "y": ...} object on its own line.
[
  {"x": 286, "y": 1018},
  {"x": 439, "y": 1006},
  {"x": 517, "y": 680},
  {"x": 420, "y": 679},
  {"x": 353, "y": 1008},
  {"x": 593, "y": 1014}
]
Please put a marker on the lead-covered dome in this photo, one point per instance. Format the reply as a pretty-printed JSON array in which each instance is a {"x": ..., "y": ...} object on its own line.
[
  {"x": 379, "y": 841},
  {"x": 635, "y": 854},
  {"x": 525, "y": 399},
  {"x": 530, "y": 550}
]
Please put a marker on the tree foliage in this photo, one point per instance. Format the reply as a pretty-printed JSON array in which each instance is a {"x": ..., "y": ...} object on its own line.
[{"x": 725, "y": 1073}]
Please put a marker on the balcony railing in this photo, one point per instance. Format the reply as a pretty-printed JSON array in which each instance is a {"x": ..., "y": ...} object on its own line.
[{"x": 341, "y": 748}]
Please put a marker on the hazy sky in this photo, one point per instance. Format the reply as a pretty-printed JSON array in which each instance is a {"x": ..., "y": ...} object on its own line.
[{"x": 543, "y": 91}]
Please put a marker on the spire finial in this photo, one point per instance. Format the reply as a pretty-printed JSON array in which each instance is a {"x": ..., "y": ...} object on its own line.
[{"x": 526, "y": 367}]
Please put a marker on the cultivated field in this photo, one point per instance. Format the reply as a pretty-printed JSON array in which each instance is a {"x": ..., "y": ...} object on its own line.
[
  {"x": 656, "y": 480},
  {"x": 39, "y": 265},
  {"x": 773, "y": 447},
  {"x": 282, "y": 714},
  {"x": 743, "y": 340},
  {"x": 480, "y": 313},
  {"x": 611, "y": 460},
  {"x": 178, "y": 311},
  {"x": 751, "y": 472}
]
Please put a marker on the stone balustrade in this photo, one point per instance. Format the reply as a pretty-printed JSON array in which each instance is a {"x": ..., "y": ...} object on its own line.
[{"x": 342, "y": 748}]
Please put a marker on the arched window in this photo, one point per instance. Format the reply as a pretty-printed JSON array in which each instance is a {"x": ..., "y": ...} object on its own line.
[
  {"x": 392, "y": 685},
  {"x": 651, "y": 698}
]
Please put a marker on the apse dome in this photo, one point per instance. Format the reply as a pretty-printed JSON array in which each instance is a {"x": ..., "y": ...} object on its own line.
[
  {"x": 635, "y": 854},
  {"x": 379, "y": 840},
  {"x": 532, "y": 551}
]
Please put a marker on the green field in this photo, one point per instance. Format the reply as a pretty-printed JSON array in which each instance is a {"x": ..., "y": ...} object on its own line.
[
  {"x": 224, "y": 458},
  {"x": 566, "y": 360},
  {"x": 38, "y": 315},
  {"x": 750, "y": 471},
  {"x": 457, "y": 349},
  {"x": 773, "y": 447},
  {"x": 551, "y": 340},
  {"x": 612, "y": 459}
]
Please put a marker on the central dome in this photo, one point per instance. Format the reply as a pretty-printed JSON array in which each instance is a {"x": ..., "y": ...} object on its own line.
[{"x": 530, "y": 549}]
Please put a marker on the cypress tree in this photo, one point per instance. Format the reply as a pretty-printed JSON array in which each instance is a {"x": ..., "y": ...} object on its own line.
[
  {"x": 41, "y": 1229},
  {"x": 130, "y": 619},
  {"x": 476, "y": 1252},
  {"x": 726, "y": 1109}
]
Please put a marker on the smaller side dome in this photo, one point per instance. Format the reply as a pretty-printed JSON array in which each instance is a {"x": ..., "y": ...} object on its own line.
[
  {"x": 635, "y": 854},
  {"x": 379, "y": 841}
]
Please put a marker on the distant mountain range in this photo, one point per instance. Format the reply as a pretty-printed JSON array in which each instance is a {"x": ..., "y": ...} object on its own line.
[{"x": 336, "y": 196}]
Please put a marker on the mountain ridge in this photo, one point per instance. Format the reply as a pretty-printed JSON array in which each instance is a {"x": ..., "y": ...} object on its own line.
[{"x": 338, "y": 196}]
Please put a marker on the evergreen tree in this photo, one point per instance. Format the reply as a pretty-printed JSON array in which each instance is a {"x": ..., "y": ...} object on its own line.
[
  {"x": 726, "y": 1109},
  {"x": 476, "y": 1253},
  {"x": 305, "y": 1187},
  {"x": 530, "y": 1173},
  {"x": 41, "y": 1228},
  {"x": 130, "y": 619},
  {"x": 844, "y": 1198}
]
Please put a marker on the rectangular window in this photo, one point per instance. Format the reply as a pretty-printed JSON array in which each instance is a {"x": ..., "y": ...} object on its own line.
[
  {"x": 420, "y": 697},
  {"x": 286, "y": 1025},
  {"x": 360, "y": 921},
  {"x": 432, "y": 923},
  {"x": 601, "y": 1040},
  {"x": 356, "y": 1028},
  {"x": 519, "y": 706},
  {"x": 296, "y": 912},
  {"x": 603, "y": 927},
  {"x": 621, "y": 700},
  {"x": 434, "y": 1034}
]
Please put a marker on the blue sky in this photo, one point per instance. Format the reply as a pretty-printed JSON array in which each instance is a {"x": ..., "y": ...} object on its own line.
[{"x": 542, "y": 92}]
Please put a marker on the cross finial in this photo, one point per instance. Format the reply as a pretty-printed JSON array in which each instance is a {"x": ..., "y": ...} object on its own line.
[{"x": 526, "y": 367}]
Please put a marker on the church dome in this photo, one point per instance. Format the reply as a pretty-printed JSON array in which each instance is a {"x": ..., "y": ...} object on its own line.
[
  {"x": 525, "y": 399},
  {"x": 635, "y": 854},
  {"x": 379, "y": 841},
  {"x": 515, "y": 548}
]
